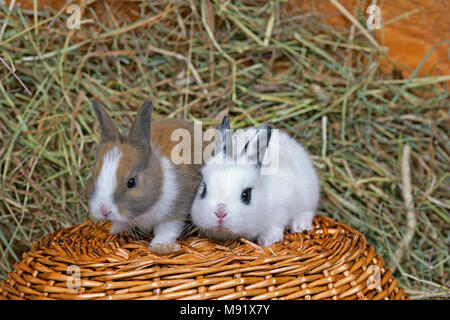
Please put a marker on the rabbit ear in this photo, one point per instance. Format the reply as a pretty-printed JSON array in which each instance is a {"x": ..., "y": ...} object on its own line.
[
  {"x": 108, "y": 128},
  {"x": 141, "y": 129},
  {"x": 224, "y": 140},
  {"x": 257, "y": 145}
]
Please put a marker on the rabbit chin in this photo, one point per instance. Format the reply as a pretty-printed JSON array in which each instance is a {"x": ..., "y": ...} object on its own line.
[{"x": 220, "y": 233}]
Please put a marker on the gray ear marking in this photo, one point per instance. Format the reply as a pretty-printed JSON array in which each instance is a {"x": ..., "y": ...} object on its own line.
[
  {"x": 225, "y": 124},
  {"x": 108, "y": 128},
  {"x": 224, "y": 142},
  {"x": 141, "y": 127},
  {"x": 256, "y": 146},
  {"x": 268, "y": 130}
]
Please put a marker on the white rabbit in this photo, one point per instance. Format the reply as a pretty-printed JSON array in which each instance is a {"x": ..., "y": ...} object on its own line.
[{"x": 238, "y": 199}]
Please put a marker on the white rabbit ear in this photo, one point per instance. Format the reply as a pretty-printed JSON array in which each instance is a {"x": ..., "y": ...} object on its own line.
[
  {"x": 224, "y": 141},
  {"x": 108, "y": 129},
  {"x": 257, "y": 145},
  {"x": 141, "y": 128}
]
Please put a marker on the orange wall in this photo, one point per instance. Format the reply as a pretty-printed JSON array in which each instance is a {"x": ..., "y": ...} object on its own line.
[{"x": 408, "y": 39}]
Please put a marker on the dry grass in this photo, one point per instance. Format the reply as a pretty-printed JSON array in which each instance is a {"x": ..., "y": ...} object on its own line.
[{"x": 252, "y": 60}]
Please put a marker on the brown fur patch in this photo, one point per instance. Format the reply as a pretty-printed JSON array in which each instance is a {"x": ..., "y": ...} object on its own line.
[
  {"x": 123, "y": 209},
  {"x": 188, "y": 175},
  {"x": 161, "y": 136},
  {"x": 130, "y": 158},
  {"x": 146, "y": 168},
  {"x": 137, "y": 192}
]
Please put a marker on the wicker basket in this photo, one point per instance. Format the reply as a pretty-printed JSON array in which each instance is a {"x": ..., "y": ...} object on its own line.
[{"x": 333, "y": 261}]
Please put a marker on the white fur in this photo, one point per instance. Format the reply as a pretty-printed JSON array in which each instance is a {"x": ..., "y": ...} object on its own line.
[
  {"x": 105, "y": 187},
  {"x": 288, "y": 198},
  {"x": 165, "y": 231}
]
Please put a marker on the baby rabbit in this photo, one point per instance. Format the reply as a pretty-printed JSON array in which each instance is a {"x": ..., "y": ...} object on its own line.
[
  {"x": 236, "y": 198},
  {"x": 135, "y": 183}
]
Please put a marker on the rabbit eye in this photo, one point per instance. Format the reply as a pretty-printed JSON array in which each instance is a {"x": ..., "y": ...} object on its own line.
[
  {"x": 203, "y": 194},
  {"x": 131, "y": 183},
  {"x": 246, "y": 195}
]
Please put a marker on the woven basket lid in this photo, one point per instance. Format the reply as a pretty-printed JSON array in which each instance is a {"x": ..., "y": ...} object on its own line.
[{"x": 332, "y": 261}]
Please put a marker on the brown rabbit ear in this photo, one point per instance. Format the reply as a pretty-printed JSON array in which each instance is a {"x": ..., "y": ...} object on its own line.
[
  {"x": 141, "y": 129},
  {"x": 108, "y": 128}
]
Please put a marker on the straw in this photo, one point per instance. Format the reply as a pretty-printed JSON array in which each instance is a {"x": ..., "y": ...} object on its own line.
[{"x": 259, "y": 63}]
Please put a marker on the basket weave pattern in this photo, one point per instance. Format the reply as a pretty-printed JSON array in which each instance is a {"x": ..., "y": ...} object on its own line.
[{"x": 333, "y": 261}]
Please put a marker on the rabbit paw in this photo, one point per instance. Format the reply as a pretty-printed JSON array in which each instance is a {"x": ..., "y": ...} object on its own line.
[
  {"x": 164, "y": 248},
  {"x": 116, "y": 227},
  {"x": 302, "y": 222},
  {"x": 268, "y": 238}
]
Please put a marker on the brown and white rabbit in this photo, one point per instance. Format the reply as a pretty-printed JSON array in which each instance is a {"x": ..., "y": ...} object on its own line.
[{"x": 135, "y": 183}]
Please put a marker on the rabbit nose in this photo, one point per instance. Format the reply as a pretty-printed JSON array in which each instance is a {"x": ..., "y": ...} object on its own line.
[
  {"x": 105, "y": 210},
  {"x": 221, "y": 211}
]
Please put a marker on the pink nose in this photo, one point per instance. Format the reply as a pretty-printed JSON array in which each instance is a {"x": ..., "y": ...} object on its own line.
[
  {"x": 105, "y": 210},
  {"x": 221, "y": 211}
]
